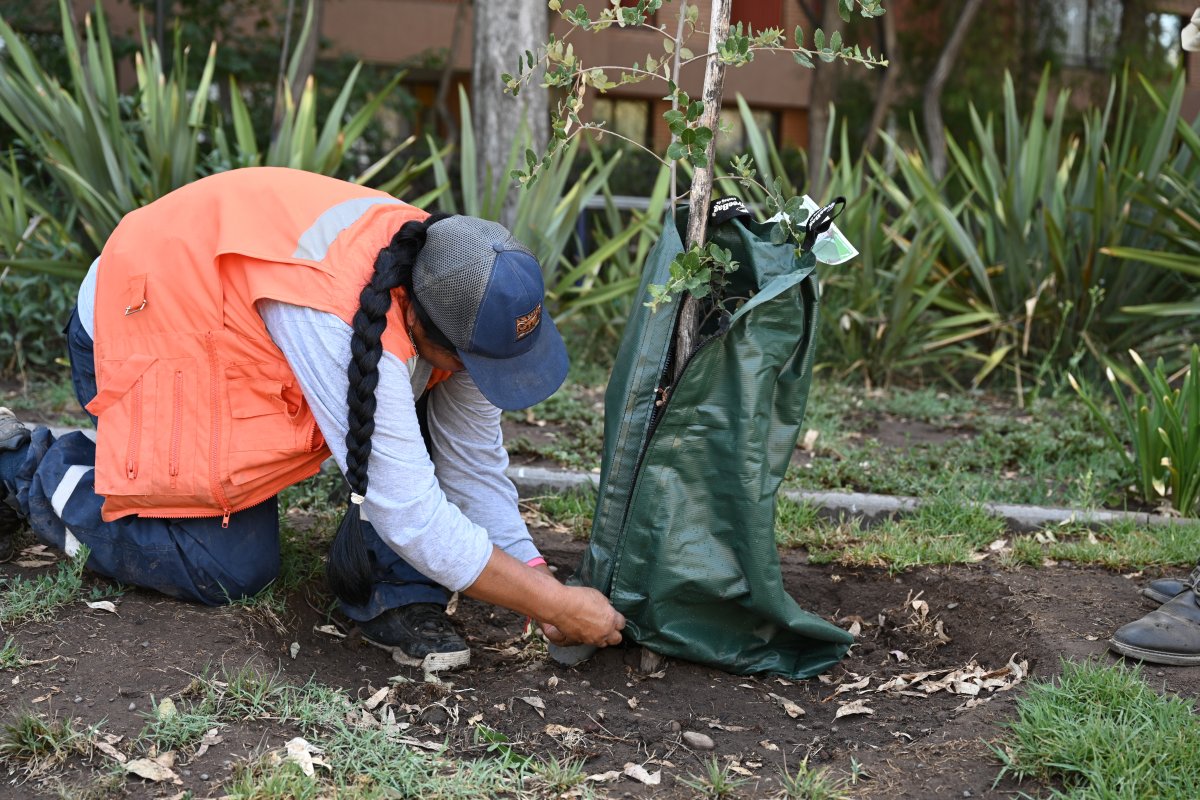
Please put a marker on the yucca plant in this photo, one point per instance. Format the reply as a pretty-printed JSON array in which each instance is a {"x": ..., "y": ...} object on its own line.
[
  {"x": 546, "y": 219},
  {"x": 32, "y": 237},
  {"x": 1163, "y": 424},
  {"x": 108, "y": 153},
  {"x": 1033, "y": 213}
]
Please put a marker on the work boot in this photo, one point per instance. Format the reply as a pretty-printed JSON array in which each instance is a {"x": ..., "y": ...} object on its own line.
[
  {"x": 1167, "y": 635},
  {"x": 1165, "y": 589},
  {"x": 418, "y": 635},
  {"x": 13, "y": 436}
]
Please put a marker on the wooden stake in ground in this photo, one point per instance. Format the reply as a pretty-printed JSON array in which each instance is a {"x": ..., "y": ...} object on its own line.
[{"x": 701, "y": 194}]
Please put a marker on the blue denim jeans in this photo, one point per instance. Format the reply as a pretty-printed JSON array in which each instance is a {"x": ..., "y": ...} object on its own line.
[{"x": 192, "y": 559}]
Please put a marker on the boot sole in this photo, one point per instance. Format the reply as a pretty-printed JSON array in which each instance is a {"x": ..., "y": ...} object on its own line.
[
  {"x": 433, "y": 662},
  {"x": 1156, "y": 598},
  {"x": 1153, "y": 656}
]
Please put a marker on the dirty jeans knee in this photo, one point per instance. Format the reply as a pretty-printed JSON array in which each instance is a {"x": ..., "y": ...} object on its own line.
[{"x": 191, "y": 559}]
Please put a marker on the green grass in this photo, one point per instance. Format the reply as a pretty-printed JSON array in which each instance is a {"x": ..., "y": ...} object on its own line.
[
  {"x": 363, "y": 762},
  {"x": 1051, "y": 453},
  {"x": 11, "y": 656},
  {"x": 942, "y": 531},
  {"x": 716, "y": 782},
  {"x": 172, "y": 730},
  {"x": 31, "y": 739},
  {"x": 806, "y": 783},
  {"x": 572, "y": 509},
  {"x": 572, "y": 408},
  {"x": 1100, "y": 732},
  {"x": 28, "y": 599},
  {"x": 49, "y": 397}
]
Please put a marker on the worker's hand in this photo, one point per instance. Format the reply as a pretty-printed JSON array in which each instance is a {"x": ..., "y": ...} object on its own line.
[{"x": 584, "y": 617}]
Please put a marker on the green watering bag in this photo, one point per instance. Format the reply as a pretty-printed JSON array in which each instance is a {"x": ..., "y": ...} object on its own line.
[{"x": 683, "y": 540}]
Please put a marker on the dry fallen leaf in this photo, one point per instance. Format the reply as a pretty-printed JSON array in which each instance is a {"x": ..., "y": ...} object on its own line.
[
  {"x": 110, "y": 751},
  {"x": 562, "y": 730},
  {"x": 300, "y": 752},
  {"x": 767, "y": 744},
  {"x": 103, "y": 605},
  {"x": 166, "y": 709},
  {"x": 604, "y": 777},
  {"x": 852, "y": 708},
  {"x": 899, "y": 655},
  {"x": 294, "y": 650},
  {"x": 537, "y": 704},
  {"x": 791, "y": 708},
  {"x": 206, "y": 742},
  {"x": 329, "y": 630},
  {"x": 375, "y": 699},
  {"x": 158, "y": 769},
  {"x": 639, "y": 773},
  {"x": 27, "y": 564},
  {"x": 861, "y": 683}
]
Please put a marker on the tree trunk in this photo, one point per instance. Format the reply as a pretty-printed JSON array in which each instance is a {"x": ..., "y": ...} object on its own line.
[
  {"x": 935, "y": 128},
  {"x": 824, "y": 89},
  {"x": 440, "y": 107},
  {"x": 503, "y": 32},
  {"x": 701, "y": 194},
  {"x": 888, "y": 84}
]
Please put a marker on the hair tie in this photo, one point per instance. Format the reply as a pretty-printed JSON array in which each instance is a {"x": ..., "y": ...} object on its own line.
[{"x": 356, "y": 498}]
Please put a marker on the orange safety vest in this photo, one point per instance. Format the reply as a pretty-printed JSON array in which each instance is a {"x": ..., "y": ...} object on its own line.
[{"x": 199, "y": 413}]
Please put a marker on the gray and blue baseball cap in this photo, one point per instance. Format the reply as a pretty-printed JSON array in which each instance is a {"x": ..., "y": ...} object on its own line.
[{"x": 484, "y": 290}]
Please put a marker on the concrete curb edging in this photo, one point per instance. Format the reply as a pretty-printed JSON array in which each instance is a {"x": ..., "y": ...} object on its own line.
[
  {"x": 531, "y": 481},
  {"x": 869, "y": 507}
]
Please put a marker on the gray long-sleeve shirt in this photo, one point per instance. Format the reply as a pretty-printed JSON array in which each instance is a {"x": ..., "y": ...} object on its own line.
[{"x": 442, "y": 514}]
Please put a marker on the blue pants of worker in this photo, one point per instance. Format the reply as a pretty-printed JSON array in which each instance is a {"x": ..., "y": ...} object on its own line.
[{"x": 192, "y": 559}]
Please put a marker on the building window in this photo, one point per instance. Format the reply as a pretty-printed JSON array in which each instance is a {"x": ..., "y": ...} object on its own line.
[
  {"x": 1165, "y": 31},
  {"x": 1088, "y": 31},
  {"x": 626, "y": 117},
  {"x": 732, "y": 138},
  {"x": 757, "y": 15}
]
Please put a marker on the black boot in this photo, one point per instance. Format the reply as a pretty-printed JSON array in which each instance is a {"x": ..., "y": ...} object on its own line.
[
  {"x": 1168, "y": 635},
  {"x": 418, "y": 635},
  {"x": 13, "y": 436},
  {"x": 1164, "y": 589}
]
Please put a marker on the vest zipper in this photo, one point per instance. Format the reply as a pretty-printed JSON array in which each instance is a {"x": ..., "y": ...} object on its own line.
[
  {"x": 176, "y": 427},
  {"x": 214, "y": 455},
  {"x": 135, "y": 432}
]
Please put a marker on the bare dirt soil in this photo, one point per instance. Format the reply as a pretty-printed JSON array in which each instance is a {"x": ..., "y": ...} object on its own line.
[{"x": 111, "y": 669}]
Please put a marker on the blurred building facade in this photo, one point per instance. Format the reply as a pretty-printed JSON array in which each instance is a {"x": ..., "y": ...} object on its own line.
[{"x": 418, "y": 34}]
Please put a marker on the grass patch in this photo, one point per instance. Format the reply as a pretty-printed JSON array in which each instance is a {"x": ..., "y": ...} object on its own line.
[
  {"x": 1101, "y": 732},
  {"x": 24, "y": 599},
  {"x": 807, "y": 783},
  {"x": 1051, "y": 453},
  {"x": 36, "y": 742},
  {"x": 570, "y": 511},
  {"x": 363, "y": 761},
  {"x": 50, "y": 398},
  {"x": 580, "y": 441},
  {"x": 11, "y": 656},
  {"x": 1120, "y": 546},
  {"x": 170, "y": 727},
  {"x": 943, "y": 531},
  {"x": 716, "y": 782}
]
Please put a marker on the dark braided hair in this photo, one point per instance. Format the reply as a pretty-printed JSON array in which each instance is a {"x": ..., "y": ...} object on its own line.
[{"x": 349, "y": 566}]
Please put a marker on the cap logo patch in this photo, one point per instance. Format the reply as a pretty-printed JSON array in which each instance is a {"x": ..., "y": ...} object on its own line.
[{"x": 526, "y": 323}]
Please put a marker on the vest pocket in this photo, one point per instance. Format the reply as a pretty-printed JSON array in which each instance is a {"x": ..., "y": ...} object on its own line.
[
  {"x": 148, "y": 440},
  {"x": 261, "y": 418}
]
